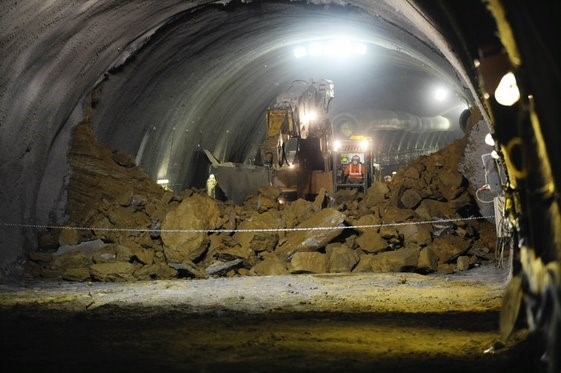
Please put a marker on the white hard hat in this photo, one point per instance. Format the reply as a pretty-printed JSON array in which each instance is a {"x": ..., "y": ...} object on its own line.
[{"x": 211, "y": 176}]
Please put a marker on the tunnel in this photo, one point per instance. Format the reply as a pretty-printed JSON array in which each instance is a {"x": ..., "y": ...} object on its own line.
[{"x": 107, "y": 106}]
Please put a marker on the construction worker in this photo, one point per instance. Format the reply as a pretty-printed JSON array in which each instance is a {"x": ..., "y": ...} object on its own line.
[
  {"x": 211, "y": 186},
  {"x": 355, "y": 171}
]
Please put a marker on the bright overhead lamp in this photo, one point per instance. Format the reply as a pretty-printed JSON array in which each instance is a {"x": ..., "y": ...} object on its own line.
[
  {"x": 364, "y": 145},
  {"x": 494, "y": 154},
  {"x": 300, "y": 52},
  {"x": 440, "y": 94},
  {"x": 310, "y": 116},
  {"x": 507, "y": 92},
  {"x": 337, "y": 145},
  {"x": 337, "y": 48},
  {"x": 315, "y": 49},
  {"x": 358, "y": 48},
  {"x": 162, "y": 181},
  {"x": 489, "y": 140}
]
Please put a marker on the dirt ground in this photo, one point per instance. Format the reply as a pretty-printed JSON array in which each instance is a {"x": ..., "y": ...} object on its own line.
[{"x": 327, "y": 323}]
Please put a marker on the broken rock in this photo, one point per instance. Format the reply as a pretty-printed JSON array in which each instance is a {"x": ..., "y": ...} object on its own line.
[
  {"x": 270, "y": 266},
  {"x": 371, "y": 242},
  {"x": 76, "y": 274},
  {"x": 113, "y": 272},
  {"x": 428, "y": 261},
  {"x": 222, "y": 267},
  {"x": 157, "y": 271},
  {"x": 342, "y": 259},
  {"x": 393, "y": 214},
  {"x": 309, "y": 262},
  {"x": 446, "y": 268},
  {"x": 450, "y": 185},
  {"x": 196, "y": 212},
  {"x": 410, "y": 199},
  {"x": 312, "y": 239},
  {"x": 364, "y": 264},
  {"x": 462, "y": 263},
  {"x": 417, "y": 233},
  {"x": 189, "y": 268},
  {"x": 370, "y": 219},
  {"x": 69, "y": 237},
  {"x": 449, "y": 247},
  {"x": 260, "y": 241},
  {"x": 297, "y": 212},
  {"x": 430, "y": 209},
  {"x": 404, "y": 259}
]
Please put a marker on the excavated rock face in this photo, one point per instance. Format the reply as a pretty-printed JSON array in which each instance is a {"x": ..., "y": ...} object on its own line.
[{"x": 129, "y": 228}]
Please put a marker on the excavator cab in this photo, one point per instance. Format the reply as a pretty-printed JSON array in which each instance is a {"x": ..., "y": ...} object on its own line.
[{"x": 352, "y": 162}]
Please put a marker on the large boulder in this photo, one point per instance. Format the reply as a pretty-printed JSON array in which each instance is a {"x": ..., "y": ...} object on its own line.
[
  {"x": 428, "y": 261},
  {"x": 410, "y": 198},
  {"x": 71, "y": 259},
  {"x": 430, "y": 209},
  {"x": 371, "y": 242},
  {"x": 156, "y": 271},
  {"x": 120, "y": 253},
  {"x": 416, "y": 233},
  {"x": 297, "y": 211},
  {"x": 309, "y": 262},
  {"x": 69, "y": 236},
  {"x": 376, "y": 194},
  {"x": 366, "y": 220},
  {"x": 260, "y": 241},
  {"x": 271, "y": 265},
  {"x": 392, "y": 214},
  {"x": 113, "y": 272},
  {"x": 364, "y": 264},
  {"x": 404, "y": 259},
  {"x": 125, "y": 217},
  {"x": 342, "y": 259},
  {"x": 449, "y": 247},
  {"x": 488, "y": 235},
  {"x": 346, "y": 195},
  {"x": 450, "y": 184},
  {"x": 260, "y": 203},
  {"x": 313, "y": 233},
  {"x": 194, "y": 213},
  {"x": 76, "y": 274}
]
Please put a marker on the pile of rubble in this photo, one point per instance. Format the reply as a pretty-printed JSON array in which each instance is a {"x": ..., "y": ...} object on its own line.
[{"x": 129, "y": 228}]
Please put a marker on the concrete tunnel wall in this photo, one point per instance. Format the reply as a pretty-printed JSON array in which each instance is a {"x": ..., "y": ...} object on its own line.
[{"x": 54, "y": 53}]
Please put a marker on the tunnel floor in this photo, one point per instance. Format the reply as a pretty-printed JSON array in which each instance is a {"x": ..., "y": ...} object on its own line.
[{"x": 366, "y": 322}]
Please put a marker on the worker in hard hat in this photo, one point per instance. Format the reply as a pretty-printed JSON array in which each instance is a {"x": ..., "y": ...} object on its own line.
[
  {"x": 211, "y": 186},
  {"x": 355, "y": 171}
]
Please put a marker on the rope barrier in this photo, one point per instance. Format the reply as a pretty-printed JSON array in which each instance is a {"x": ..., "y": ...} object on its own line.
[{"x": 262, "y": 230}]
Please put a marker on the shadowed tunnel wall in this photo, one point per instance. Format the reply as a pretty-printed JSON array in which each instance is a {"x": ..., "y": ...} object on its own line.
[{"x": 176, "y": 76}]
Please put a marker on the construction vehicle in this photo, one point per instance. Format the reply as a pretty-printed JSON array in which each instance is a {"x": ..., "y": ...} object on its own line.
[
  {"x": 298, "y": 154},
  {"x": 343, "y": 152}
]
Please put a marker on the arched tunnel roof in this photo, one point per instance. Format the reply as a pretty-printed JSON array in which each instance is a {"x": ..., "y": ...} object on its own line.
[{"x": 177, "y": 76}]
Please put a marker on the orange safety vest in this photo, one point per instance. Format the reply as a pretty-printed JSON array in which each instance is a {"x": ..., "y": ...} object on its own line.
[{"x": 355, "y": 172}]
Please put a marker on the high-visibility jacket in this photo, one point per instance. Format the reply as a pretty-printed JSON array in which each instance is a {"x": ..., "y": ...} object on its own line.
[{"x": 355, "y": 171}]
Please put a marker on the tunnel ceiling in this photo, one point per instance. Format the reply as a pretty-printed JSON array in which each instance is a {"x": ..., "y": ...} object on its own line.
[
  {"x": 176, "y": 75},
  {"x": 205, "y": 80}
]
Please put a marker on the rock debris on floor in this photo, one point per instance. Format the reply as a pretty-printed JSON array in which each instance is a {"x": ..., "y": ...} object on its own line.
[{"x": 130, "y": 228}]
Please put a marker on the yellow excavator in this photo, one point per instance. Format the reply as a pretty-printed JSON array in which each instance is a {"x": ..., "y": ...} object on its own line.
[{"x": 298, "y": 154}]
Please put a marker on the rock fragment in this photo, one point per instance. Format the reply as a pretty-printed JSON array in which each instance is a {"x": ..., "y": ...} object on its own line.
[{"x": 309, "y": 262}]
